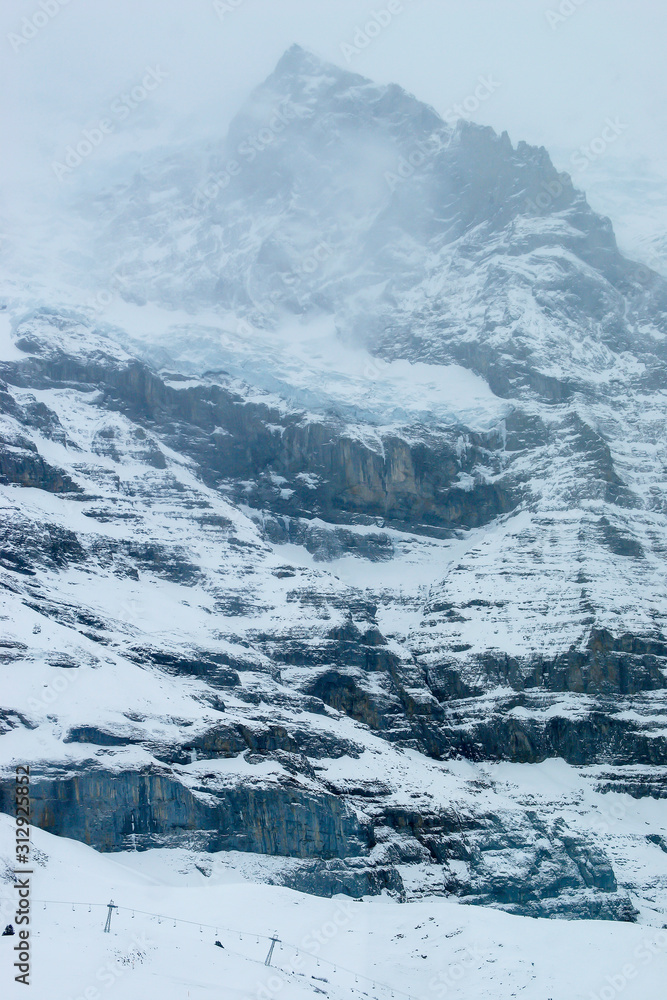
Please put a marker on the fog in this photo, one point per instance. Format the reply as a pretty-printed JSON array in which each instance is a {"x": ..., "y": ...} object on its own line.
[{"x": 559, "y": 75}]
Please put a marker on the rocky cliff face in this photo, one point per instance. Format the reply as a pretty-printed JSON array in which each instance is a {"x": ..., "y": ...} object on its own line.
[{"x": 360, "y": 565}]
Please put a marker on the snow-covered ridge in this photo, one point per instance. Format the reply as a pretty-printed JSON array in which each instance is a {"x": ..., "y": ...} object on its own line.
[{"x": 334, "y": 511}]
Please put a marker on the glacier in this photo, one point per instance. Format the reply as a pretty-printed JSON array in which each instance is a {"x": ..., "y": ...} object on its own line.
[{"x": 333, "y": 477}]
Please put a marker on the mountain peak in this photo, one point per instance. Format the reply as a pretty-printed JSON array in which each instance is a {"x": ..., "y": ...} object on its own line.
[
  {"x": 298, "y": 59},
  {"x": 302, "y": 62},
  {"x": 300, "y": 69},
  {"x": 321, "y": 88}
]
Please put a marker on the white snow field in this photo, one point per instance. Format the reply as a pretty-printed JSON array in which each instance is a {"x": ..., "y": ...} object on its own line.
[
  {"x": 245, "y": 516},
  {"x": 162, "y": 939}
]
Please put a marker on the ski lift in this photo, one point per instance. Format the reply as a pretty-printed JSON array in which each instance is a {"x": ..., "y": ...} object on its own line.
[
  {"x": 89, "y": 908},
  {"x": 174, "y": 923}
]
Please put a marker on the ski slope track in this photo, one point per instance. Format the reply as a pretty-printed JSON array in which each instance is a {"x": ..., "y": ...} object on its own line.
[{"x": 333, "y": 475}]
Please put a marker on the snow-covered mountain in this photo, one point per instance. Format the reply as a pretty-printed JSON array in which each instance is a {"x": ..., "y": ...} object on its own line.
[
  {"x": 171, "y": 909},
  {"x": 334, "y": 514}
]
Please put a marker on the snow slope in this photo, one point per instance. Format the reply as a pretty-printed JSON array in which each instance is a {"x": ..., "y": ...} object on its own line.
[
  {"x": 169, "y": 916},
  {"x": 332, "y": 561}
]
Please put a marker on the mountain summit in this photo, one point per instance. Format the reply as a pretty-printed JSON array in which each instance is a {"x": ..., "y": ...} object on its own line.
[
  {"x": 350, "y": 503},
  {"x": 404, "y": 215}
]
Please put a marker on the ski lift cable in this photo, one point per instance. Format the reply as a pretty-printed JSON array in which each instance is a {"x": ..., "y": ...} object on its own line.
[{"x": 196, "y": 923}]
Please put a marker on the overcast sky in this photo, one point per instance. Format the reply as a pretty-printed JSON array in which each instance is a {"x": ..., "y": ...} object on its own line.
[{"x": 561, "y": 67}]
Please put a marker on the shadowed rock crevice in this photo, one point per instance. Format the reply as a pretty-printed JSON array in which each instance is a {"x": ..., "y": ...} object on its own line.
[{"x": 354, "y": 558}]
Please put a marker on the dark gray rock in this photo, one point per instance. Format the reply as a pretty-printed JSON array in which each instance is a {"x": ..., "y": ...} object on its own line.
[{"x": 153, "y": 808}]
